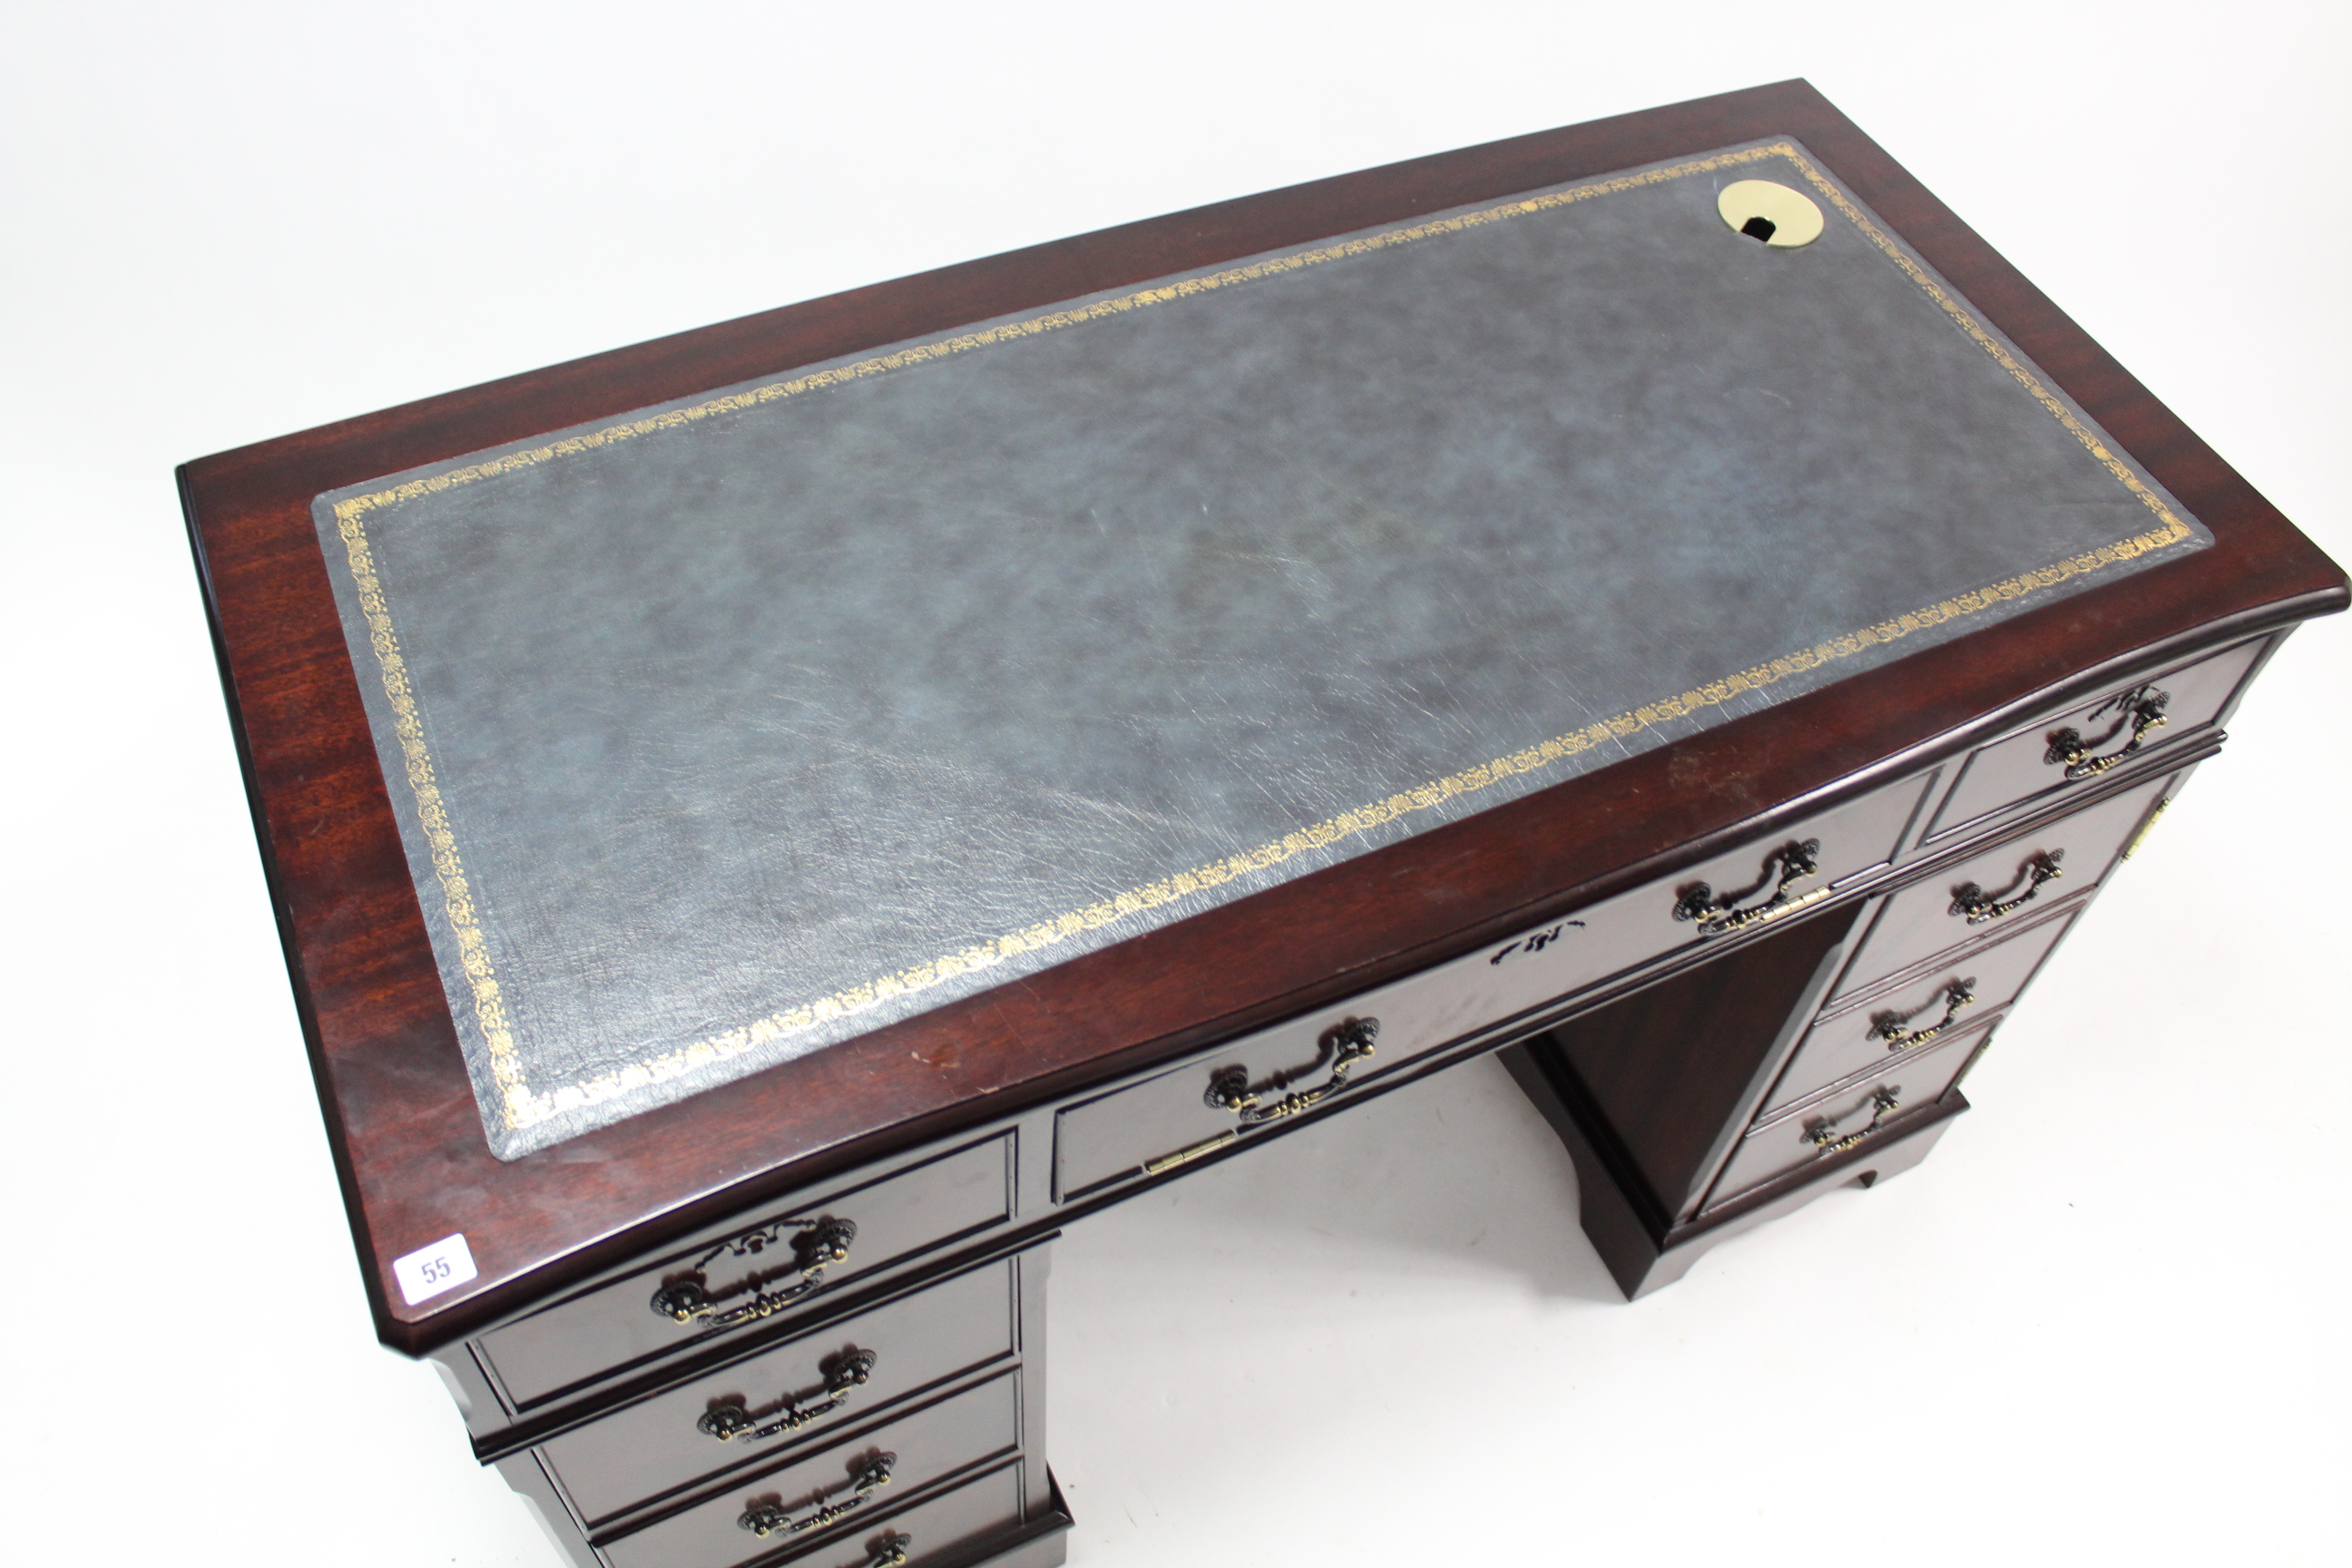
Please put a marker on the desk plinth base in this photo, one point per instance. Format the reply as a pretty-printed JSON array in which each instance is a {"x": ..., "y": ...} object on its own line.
[
  {"x": 1042, "y": 1542},
  {"x": 1642, "y": 1253}
]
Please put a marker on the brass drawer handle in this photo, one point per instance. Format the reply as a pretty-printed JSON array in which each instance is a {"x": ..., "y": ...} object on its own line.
[
  {"x": 769, "y": 1516},
  {"x": 844, "y": 1376},
  {"x": 1888, "y": 1026},
  {"x": 1823, "y": 1135},
  {"x": 1978, "y": 906},
  {"x": 816, "y": 1245},
  {"x": 1720, "y": 914},
  {"x": 1343, "y": 1047},
  {"x": 2142, "y": 709}
]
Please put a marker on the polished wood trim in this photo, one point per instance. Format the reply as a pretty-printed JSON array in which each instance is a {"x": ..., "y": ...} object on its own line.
[{"x": 399, "y": 1110}]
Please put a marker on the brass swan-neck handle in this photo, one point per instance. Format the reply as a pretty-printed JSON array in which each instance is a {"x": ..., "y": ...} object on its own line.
[
  {"x": 2141, "y": 711},
  {"x": 1720, "y": 914},
  {"x": 844, "y": 1376},
  {"x": 769, "y": 1516},
  {"x": 1977, "y": 906},
  {"x": 815, "y": 1244},
  {"x": 1959, "y": 995},
  {"x": 1343, "y": 1047}
]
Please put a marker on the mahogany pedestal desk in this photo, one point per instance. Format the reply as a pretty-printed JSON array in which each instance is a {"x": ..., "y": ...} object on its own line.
[{"x": 770, "y": 825}]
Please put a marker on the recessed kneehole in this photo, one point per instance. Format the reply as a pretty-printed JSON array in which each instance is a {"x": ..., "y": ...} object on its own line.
[{"x": 1766, "y": 210}]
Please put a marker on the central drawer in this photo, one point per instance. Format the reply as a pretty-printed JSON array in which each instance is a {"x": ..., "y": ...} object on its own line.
[
  {"x": 1210, "y": 1102},
  {"x": 793, "y": 1393},
  {"x": 809, "y": 1498}
]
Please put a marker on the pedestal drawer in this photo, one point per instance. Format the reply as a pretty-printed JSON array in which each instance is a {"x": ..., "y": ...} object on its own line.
[
  {"x": 2007, "y": 884},
  {"x": 1845, "y": 1120},
  {"x": 1976, "y": 983},
  {"x": 961, "y": 1517},
  {"x": 792, "y": 1394},
  {"x": 750, "y": 1274},
  {"x": 2070, "y": 750},
  {"x": 764, "y": 1516},
  {"x": 1209, "y": 1102}
]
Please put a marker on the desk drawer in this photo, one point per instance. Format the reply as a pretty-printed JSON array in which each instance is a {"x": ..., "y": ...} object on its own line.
[
  {"x": 1976, "y": 983},
  {"x": 749, "y": 1274},
  {"x": 932, "y": 1532},
  {"x": 1846, "y": 1119},
  {"x": 2007, "y": 885},
  {"x": 832, "y": 1490},
  {"x": 2074, "y": 749},
  {"x": 658, "y": 1445},
  {"x": 1207, "y": 1103}
]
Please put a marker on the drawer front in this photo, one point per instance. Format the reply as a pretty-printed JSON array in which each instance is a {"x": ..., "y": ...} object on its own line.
[
  {"x": 1206, "y": 1104},
  {"x": 795, "y": 1392},
  {"x": 1916, "y": 1014},
  {"x": 1811, "y": 1132},
  {"x": 930, "y": 1532},
  {"x": 833, "y": 1490},
  {"x": 2007, "y": 885},
  {"x": 617, "y": 1325},
  {"x": 2029, "y": 767}
]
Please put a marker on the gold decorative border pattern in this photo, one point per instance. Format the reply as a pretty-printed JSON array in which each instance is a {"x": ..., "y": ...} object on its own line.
[
  {"x": 1984, "y": 340},
  {"x": 522, "y": 1106},
  {"x": 432, "y": 817}
]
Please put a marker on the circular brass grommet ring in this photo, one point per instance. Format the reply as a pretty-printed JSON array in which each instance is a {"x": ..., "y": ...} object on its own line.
[{"x": 1763, "y": 209}]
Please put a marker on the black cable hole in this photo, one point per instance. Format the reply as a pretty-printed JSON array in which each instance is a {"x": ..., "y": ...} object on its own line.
[{"x": 1758, "y": 227}]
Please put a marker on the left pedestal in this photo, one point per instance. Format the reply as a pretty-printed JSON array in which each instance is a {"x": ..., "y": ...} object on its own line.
[{"x": 903, "y": 1426}]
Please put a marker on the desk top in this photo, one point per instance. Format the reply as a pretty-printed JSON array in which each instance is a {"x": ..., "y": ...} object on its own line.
[
  {"x": 754, "y": 721},
  {"x": 1447, "y": 544}
]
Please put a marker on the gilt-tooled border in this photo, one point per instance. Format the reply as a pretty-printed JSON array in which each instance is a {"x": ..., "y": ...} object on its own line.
[{"x": 522, "y": 1106}]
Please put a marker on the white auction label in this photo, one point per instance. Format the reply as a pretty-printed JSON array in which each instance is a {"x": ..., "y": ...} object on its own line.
[{"x": 429, "y": 1271}]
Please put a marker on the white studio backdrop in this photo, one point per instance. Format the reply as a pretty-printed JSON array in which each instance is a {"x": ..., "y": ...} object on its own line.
[{"x": 2102, "y": 1323}]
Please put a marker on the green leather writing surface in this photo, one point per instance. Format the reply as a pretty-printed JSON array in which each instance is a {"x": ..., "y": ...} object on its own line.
[{"x": 731, "y": 729}]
